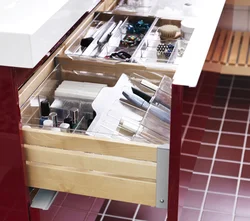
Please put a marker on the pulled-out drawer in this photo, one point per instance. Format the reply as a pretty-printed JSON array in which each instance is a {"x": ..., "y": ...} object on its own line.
[{"x": 114, "y": 163}]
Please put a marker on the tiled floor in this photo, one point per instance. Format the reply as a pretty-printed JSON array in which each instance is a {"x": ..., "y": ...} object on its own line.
[{"x": 215, "y": 174}]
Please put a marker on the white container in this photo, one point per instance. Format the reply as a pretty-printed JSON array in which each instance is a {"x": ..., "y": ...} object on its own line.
[{"x": 187, "y": 27}]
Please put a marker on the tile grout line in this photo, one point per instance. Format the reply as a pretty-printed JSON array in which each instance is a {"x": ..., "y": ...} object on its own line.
[
  {"x": 192, "y": 111},
  {"x": 105, "y": 210},
  {"x": 216, "y": 148},
  {"x": 241, "y": 165},
  {"x": 136, "y": 211}
]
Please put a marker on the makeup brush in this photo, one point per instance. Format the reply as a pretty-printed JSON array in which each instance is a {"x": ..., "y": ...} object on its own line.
[{"x": 169, "y": 32}]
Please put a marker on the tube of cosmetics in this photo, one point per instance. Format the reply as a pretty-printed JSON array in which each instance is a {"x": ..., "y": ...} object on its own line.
[
  {"x": 53, "y": 117},
  {"x": 45, "y": 111},
  {"x": 74, "y": 114}
]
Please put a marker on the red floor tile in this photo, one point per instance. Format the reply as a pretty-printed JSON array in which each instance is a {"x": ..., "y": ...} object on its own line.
[
  {"x": 219, "y": 102},
  {"x": 225, "y": 82},
  {"x": 238, "y": 103},
  {"x": 222, "y": 92},
  {"x": 205, "y": 99},
  {"x": 188, "y": 162},
  {"x": 182, "y": 195},
  {"x": 232, "y": 140},
  {"x": 194, "y": 199},
  {"x": 237, "y": 115},
  {"x": 92, "y": 217},
  {"x": 208, "y": 89},
  {"x": 49, "y": 215},
  {"x": 245, "y": 171},
  {"x": 189, "y": 215},
  {"x": 240, "y": 83},
  {"x": 67, "y": 214},
  {"x": 242, "y": 208},
  {"x": 151, "y": 213},
  {"x": 212, "y": 216},
  {"x": 220, "y": 203},
  {"x": 198, "y": 182},
  {"x": 248, "y": 142},
  {"x": 202, "y": 110},
  {"x": 226, "y": 169},
  {"x": 206, "y": 151},
  {"x": 216, "y": 113},
  {"x": 213, "y": 124},
  {"x": 60, "y": 199},
  {"x": 99, "y": 205},
  {"x": 194, "y": 134},
  {"x": 244, "y": 189},
  {"x": 229, "y": 154},
  {"x": 202, "y": 166},
  {"x": 234, "y": 127},
  {"x": 121, "y": 209},
  {"x": 210, "y": 137},
  {"x": 238, "y": 93},
  {"x": 199, "y": 122},
  {"x": 108, "y": 218},
  {"x": 185, "y": 178},
  {"x": 78, "y": 202},
  {"x": 185, "y": 119},
  {"x": 222, "y": 185},
  {"x": 189, "y": 97},
  {"x": 190, "y": 147},
  {"x": 187, "y": 108}
]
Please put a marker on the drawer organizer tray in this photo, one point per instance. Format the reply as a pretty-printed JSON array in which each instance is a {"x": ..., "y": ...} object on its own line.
[
  {"x": 126, "y": 44},
  {"x": 97, "y": 163}
]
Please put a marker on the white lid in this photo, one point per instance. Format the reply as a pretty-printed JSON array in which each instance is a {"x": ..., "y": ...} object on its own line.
[
  {"x": 188, "y": 25},
  {"x": 48, "y": 123},
  {"x": 127, "y": 125},
  {"x": 64, "y": 126}
]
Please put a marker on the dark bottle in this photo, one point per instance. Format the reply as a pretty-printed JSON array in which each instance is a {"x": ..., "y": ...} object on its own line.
[{"x": 45, "y": 111}]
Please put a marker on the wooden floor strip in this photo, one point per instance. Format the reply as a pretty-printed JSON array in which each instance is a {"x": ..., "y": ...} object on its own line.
[
  {"x": 213, "y": 45},
  {"x": 244, "y": 49},
  {"x": 219, "y": 46},
  {"x": 226, "y": 48},
  {"x": 235, "y": 48}
]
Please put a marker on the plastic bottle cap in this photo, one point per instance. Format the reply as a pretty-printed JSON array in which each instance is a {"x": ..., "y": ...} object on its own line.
[
  {"x": 26, "y": 126},
  {"x": 188, "y": 25},
  {"x": 48, "y": 123}
]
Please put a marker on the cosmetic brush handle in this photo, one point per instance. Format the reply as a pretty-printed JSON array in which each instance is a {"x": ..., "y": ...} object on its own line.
[
  {"x": 161, "y": 114},
  {"x": 107, "y": 35}
]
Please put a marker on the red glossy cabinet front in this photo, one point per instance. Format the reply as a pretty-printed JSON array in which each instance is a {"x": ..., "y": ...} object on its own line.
[{"x": 14, "y": 203}]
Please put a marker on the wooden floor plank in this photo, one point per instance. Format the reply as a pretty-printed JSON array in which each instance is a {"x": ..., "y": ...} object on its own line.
[
  {"x": 235, "y": 48},
  {"x": 226, "y": 48},
  {"x": 244, "y": 49},
  {"x": 219, "y": 46},
  {"x": 213, "y": 45}
]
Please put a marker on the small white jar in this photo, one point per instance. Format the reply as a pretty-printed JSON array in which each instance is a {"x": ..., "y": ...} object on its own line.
[{"x": 187, "y": 27}]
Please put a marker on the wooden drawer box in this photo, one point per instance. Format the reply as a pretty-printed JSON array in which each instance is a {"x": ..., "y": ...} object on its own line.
[{"x": 80, "y": 164}]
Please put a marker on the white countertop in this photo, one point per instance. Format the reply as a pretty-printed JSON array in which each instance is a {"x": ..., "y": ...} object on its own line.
[
  {"x": 30, "y": 28},
  {"x": 190, "y": 67}
]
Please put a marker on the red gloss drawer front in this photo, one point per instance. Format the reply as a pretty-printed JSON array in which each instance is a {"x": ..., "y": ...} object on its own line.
[{"x": 13, "y": 191}]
